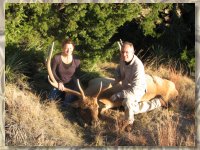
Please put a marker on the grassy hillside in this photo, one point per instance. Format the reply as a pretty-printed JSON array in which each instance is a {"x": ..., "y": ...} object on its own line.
[{"x": 31, "y": 120}]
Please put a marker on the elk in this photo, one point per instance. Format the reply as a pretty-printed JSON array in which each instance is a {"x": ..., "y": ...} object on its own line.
[
  {"x": 156, "y": 86},
  {"x": 84, "y": 101}
]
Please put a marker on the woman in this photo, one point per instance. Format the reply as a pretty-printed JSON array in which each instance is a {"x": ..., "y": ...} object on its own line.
[{"x": 65, "y": 67}]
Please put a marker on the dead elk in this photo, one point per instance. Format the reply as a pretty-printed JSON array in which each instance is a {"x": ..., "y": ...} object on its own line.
[
  {"x": 156, "y": 86},
  {"x": 84, "y": 101}
]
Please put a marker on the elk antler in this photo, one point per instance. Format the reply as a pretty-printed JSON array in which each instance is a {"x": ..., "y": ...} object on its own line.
[
  {"x": 102, "y": 90},
  {"x": 105, "y": 89},
  {"x": 49, "y": 65},
  {"x": 120, "y": 43},
  {"x": 55, "y": 84},
  {"x": 97, "y": 95},
  {"x": 53, "y": 81},
  {"x": 81, "y": 90}
]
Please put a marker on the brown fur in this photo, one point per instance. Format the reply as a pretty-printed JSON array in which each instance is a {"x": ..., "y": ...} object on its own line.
[
  {"x": 89, "y": 103},
  {"x": 155, "y": 86}
]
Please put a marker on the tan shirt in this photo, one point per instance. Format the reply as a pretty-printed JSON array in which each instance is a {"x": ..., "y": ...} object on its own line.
[{"x": 132, "y": 77}]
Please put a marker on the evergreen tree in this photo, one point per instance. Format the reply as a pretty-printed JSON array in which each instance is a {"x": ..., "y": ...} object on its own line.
[{"x": 31, "y": 28}]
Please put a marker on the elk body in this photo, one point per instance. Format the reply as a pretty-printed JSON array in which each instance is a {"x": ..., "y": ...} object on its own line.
[{"x": 156, "y": 86}]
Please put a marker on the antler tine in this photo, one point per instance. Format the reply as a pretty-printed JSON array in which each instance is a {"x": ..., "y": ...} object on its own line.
[
  {"x": 51, "y": 78},
  {"x": 81, "y": 90},
  {"x": 110, "y": 85},
  {"x": 120, "y": 43},
  {"x": 100, "y": 90},
  {"x": 120, "y": 47}
]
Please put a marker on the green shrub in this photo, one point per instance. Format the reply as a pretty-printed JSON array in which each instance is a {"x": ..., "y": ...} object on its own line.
[{"x": 15, "y": 68}]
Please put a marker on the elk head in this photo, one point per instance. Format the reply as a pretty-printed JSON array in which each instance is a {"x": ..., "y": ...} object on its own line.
[{"x": 84, "y": 102}]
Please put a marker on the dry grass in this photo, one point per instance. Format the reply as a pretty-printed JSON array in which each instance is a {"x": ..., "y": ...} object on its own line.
[
  {"x": 107, "y": 70},
  {"x": 184, "y": 85},
  {"x": 30, "y": 121}
]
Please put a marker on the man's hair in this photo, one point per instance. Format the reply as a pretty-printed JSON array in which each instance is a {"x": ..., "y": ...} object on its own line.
[
  {"x": 128, "y": 43},
  {"x": 67, "y": 41}
]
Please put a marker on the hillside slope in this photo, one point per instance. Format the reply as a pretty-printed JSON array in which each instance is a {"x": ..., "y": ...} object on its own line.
[{"x": 34, "y": 121}]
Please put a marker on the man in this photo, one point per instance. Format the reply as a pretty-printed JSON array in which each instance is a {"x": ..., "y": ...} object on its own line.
[{"x": 131, "y": 72}]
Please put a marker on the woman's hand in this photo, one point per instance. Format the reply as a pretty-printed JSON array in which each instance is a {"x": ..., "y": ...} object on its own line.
[{"x": 60, "y": 86}]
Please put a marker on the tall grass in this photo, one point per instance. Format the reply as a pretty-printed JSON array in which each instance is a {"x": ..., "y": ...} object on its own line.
[
  {"x": 32, "y": 123},
  {"x": 15, "y": 67},
  {"x": 170, "y": 132}
]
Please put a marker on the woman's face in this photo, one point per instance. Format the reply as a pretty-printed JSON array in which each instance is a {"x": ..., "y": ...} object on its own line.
[{"x": 68, "y": 49}]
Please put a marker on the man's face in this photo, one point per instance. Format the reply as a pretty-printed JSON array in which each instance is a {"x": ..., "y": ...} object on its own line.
[{"x": 127, "y": 53}]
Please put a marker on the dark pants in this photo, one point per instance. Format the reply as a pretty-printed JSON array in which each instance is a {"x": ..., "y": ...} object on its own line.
[{"x": 65, "y": 96}]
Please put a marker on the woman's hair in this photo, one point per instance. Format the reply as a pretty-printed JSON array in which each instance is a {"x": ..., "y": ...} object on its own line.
[{"x": 67, "y": 41}]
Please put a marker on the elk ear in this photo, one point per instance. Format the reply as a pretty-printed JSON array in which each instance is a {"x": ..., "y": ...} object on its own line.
[{"x": 75, "y": 104}]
